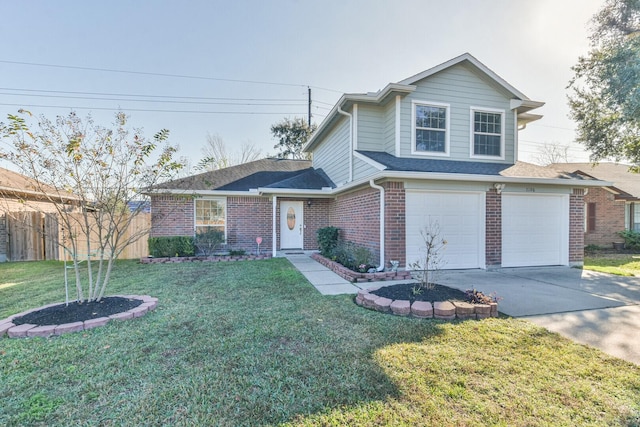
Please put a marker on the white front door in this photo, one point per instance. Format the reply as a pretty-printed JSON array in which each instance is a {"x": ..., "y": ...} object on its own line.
[{"x": 291, "y": 225}]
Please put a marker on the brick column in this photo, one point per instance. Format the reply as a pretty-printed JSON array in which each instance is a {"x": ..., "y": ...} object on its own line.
[
  {"x": 493, "y": 227},
  {"x": 395, "y": 223},
  {"x": 576, "y": 227}
]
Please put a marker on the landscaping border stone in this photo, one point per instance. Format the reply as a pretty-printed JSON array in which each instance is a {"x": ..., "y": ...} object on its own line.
[
  {"x": 354, "y": 276},
  {"x": 442, "y": 310},
  {"x": 9, "y": 329},
  {"x": 220, "y": 258}
]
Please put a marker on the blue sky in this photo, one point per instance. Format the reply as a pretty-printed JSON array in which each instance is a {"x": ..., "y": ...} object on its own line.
[{"x": 233, "y": 68}]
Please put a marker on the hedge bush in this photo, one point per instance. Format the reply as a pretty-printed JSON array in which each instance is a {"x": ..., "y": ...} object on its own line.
[
  {"x": 631, "y": 239},
  {"x": 160, "y": 247},
  {"x": 328, "y": 240}
]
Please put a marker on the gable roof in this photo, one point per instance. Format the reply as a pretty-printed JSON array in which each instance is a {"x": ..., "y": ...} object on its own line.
[
  {"x": 520, "y": 102},
  {"x": 626, "y": 184},
  {"x": 271, "y": 172}
]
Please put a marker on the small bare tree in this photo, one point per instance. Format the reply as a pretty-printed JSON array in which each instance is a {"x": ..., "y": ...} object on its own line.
[
  {"x": 431, "y": 260},
  {"x": 216, "y": 155},
  {"x": 92, "y": 176},
  {"x": 552, "y": 153}
]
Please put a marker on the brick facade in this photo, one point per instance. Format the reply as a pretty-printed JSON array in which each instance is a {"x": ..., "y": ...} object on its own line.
[
  {"x": 395, "y": 223},
  {"x": 248, "y": 218},
  {"x": 357, "y": 215},
  {"x": 316, "y": 216},
  {"x": 576, "y": 227},
  {"x": 172, "y": 216},
  {"x": 609, "y": 218},
  {"x": 493, "y": 229}
]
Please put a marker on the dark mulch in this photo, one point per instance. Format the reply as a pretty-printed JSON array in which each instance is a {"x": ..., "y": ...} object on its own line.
[
  {"x": 406, "y": 291},
  {"x": 76, "y": 312}
]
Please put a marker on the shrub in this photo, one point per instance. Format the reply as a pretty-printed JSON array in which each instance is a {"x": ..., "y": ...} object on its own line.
[
  {"x": 631, "y": 239},
  {"x": 328, "y": 240},
  {"x": 171, "y": 246},
  {"x": 352, "y": 256},
  {"x": 237, "y": 252},
  {"x": 208, "y": 239}
]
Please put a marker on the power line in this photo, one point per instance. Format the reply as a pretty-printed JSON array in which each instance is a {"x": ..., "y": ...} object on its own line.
[
  {"x": 296, "y": 103},
  {"x": 152, "y": 111},
  {"x": 150, "y": 96},
  {"x": 147, "y": 73}
]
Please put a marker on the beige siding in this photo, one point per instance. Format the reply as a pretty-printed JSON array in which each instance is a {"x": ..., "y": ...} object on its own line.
[
  {"x": 362, "y": 169},
  {"x": 332, "y": 155},
  {"x": 389, "y": 127},
  {"x": 462, "y": 89},
  {"x": 370, "y": 128}
]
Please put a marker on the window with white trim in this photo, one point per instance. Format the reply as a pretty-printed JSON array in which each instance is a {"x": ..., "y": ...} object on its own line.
[
  {"x": 211, "y": 213},
  {"x": 488, "y": 133},
  {"x": 430, "y": 128}
]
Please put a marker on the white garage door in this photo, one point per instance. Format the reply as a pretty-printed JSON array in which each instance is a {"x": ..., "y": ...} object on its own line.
[
  {"x": 535, "y": 230},
  {"x": 460, "y": 217}
]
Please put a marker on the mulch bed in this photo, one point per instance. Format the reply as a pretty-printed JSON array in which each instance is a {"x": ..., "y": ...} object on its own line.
[
  {"x": 406, "y": 292},
  {"x": 77, "y": 312}
]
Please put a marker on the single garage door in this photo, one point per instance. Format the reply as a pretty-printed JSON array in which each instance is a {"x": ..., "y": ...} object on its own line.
[
  {"x": 535, "y": 229},
  {"x": 460, "y": 217}
]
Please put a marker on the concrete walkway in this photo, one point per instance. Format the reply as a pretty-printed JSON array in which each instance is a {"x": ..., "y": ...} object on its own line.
[
  {"x": 326, "y": 281},
  {"x": 597, "y": 309}
]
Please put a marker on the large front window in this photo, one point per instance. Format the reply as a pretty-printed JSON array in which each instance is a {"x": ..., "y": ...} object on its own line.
[
  {"x": 211, "y": 213},
  {"x": 430, "y": 129},
  {"x": 488, "y": 133}
]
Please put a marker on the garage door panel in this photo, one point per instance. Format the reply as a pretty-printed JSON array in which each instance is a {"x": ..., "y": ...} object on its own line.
[
  {"x": 460, "y": 217},
  {"x": 535, "y": 230}
]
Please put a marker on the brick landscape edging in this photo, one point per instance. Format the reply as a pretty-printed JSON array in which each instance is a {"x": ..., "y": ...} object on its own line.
[
  {"x": 8, "y": 328},
  {"x": 222, "y": 258},
  {"x": 354, "y": 276},
  {"x": 444, "y": 310}
]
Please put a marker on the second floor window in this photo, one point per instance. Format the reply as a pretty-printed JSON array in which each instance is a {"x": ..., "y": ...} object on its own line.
[
  {"x": 430, "y": 127},
  {"x": 487, "y": 133}
]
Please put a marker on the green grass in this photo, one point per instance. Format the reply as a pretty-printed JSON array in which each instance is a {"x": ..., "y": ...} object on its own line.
[
  {"x": 252, "y": 343},
  {"x": 619, "y": 264}
]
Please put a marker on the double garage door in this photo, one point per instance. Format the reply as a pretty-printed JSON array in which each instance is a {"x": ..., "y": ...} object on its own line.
[{"x": 534, "y": 228}]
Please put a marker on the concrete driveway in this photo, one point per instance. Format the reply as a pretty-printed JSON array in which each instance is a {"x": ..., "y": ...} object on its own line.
[{"x": 597, "y": 309}]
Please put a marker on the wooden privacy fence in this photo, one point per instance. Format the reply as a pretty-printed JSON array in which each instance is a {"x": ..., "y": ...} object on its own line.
[{"x": 34, "y": 236}]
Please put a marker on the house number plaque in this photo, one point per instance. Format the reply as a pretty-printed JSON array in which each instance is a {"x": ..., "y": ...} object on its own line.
[{"x": 291, "y": 218}]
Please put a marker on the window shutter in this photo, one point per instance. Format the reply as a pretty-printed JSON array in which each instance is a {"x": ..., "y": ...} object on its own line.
[{"x": 591, "y": 216}]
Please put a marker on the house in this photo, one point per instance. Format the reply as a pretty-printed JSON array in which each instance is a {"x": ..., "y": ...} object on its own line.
[
  {"x": 18, "y": 195},
  {"x": 438, "y": 147},
  {"x": 609, "y": 209}
]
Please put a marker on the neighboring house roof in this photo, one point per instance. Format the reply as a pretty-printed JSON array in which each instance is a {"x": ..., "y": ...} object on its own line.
[
  {"x": 520, "y": 169},
  {"x": 626, "y": 184},
  {"x": 519, "y": 102},
  {"x": 15, "y": 184},
  {"x": 273, "y": 173},
  {"x": 139, "y": 206}
]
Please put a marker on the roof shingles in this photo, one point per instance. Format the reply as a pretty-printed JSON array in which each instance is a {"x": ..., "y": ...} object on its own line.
[{"x": 272, "y": 173}]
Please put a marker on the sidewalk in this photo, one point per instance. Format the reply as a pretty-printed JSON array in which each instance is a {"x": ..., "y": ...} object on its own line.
[{"x": 326, "y": 281}]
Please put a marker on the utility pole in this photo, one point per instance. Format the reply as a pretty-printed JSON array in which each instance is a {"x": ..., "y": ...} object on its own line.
[{"x": 309, "y": 90}]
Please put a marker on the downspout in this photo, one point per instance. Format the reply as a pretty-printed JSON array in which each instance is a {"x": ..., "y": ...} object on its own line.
[
  {"x": 344, "y": 113},
  {"x": 273, "y": 222},
  {"x": 382, "y": 205}
]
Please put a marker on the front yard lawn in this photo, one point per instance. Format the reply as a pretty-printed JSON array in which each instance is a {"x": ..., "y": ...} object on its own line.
[
  {"x": 252, "y": 343},
  {"x": 620, "y": 264}
]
